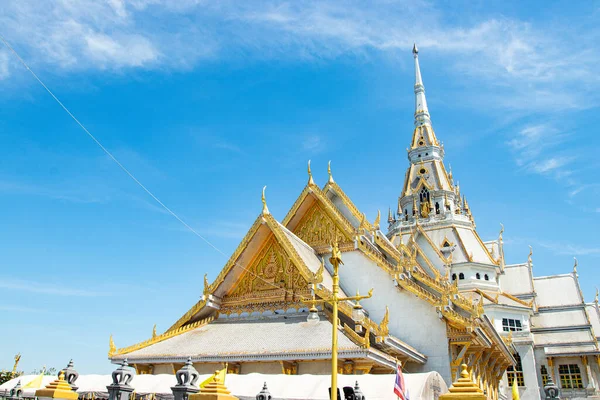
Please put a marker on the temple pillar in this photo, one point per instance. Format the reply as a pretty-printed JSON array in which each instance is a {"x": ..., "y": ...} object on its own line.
[
  {"x": 362, "y": 367},
  {"x": 588, "y": 373},
  {"x": 289, "y": 368},
  {"x": 551, "y": 367}
]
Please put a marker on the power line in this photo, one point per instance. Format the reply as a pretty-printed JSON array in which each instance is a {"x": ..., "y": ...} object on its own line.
[{"x": 113, "y": 158}]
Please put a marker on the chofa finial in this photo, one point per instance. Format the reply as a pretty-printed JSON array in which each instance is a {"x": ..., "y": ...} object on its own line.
[
  {"x": 310, "y": 178},
  {"x": 329, "y": 172},
  {"x": 377, "y": 220},
  {"x": 265, "y": 209},
  {"x": 575, "y": 265},
  {"x": 529, "y": 257}
]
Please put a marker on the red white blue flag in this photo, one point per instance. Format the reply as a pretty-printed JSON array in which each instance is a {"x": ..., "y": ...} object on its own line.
[{"x": 400, "y": 388}]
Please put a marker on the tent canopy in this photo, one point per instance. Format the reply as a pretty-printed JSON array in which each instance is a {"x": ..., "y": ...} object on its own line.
[{"x": 375, "y": 387}]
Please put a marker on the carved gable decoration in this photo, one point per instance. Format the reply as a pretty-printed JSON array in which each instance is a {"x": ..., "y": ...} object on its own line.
[
  {"x": 317, "y": 229},
  {"x": 271, "y": 278}
]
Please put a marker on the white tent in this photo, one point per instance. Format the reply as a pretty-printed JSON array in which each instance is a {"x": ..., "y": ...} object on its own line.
[{"x": 375, "y": 387}]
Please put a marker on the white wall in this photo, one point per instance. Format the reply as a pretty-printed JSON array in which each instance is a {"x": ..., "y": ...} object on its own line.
[
  {"x": 412, "y": 320},
  {"x": 531, "y": 390}
]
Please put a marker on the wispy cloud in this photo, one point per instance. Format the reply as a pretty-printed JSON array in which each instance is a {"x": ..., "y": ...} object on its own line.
[
  {"x": 538, "y": 149},
  {"x": 44, "y": 288},
  {"x": 558, "y": 66},
  {"x": 569, "y": 249},
  {"x": 313, "y": 143}
]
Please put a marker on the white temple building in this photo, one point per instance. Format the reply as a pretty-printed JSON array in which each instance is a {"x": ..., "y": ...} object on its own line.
[
  {"x": 551, "y": 326},
  {"x": 442, "y": 296}
]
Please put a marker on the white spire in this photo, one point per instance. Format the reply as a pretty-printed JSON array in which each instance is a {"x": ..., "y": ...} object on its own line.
[{"x": 421, "y": 110}]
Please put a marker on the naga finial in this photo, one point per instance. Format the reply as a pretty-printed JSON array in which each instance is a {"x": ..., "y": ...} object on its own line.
[
  {"x": 377, "y": 220},
  {"x": 265, "y": 209},
  {"x": 310, "y": 178},
  {"x": 154, "y": 331},
  {"x": 206, "y": 290},
  {"x": 384, "y": 329},
  {"x": 501, "y": 232},
  {"x": 596, "y": 299},
  {"x": 329, "y": 172},
  {"x": 529, "y": 257},
  {"x": 112, "y": 349}
]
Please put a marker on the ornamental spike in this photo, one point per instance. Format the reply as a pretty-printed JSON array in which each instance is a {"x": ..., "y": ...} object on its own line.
[
  {"x": 310, "y": 178},
  {"x": 265, "y": 209},
  {"x": 329, "y": 172}
]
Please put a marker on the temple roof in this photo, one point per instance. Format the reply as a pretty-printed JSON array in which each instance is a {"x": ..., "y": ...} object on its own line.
[
  {"x": 265, "y": 338},
  {"x": 517, "y": 279},
  {"x": 557, "y": 290}
]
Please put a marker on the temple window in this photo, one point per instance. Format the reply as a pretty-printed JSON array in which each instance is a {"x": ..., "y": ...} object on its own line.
[
  {"x": 570, "y": 376},
  {"x": 486, "y": 277},
  {"x": 515, "y": 372},
  {"x": 509, "y": 324},
  {"x": 544, "y": 373},
  {"x": 461, "y": 276},
  {"x": 453, "y": 277},
  {"x": 437, "y": 207},
  {"x": 478, "y": 275},
  {"x": 424, "y": 195}
]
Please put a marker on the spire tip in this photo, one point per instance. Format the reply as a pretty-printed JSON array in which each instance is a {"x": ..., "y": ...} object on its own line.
[
  {"x": 415, "y": 51},
  {"x": 265, "y": 209}
]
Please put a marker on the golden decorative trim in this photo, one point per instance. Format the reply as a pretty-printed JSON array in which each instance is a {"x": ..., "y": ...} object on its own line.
[
  {"x": 376, "y": 257},
  {"x": 417, "y": 290},
  {"x": 392, "y": 251},
  {"x": 363, "y": 342},
  {"x": 424, "y": 278}
]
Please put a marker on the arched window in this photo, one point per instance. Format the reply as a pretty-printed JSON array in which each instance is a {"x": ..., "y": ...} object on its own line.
[
  {"x": 486, "y": 277},
  {"x": 453, "y": 277},
  {"x": 515, "y": 372},
  {"x": 461, "y": 276},
  {"x": 478, "y": 275},
  {"x": 424, "y": 195},
  {"x": 437, "y": 207}
]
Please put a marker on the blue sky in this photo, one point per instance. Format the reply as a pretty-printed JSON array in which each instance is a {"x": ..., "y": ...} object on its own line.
[{"x": 206, "y": 102}]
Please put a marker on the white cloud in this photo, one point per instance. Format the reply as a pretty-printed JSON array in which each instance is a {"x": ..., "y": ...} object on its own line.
[
  {"x": 539, "y": 149},
  {"x": 131, "y": 50},
  {"x": 313, "y": 143},
  {"x": 531, "y": 66},
  {"x": 549, "y": 165}
]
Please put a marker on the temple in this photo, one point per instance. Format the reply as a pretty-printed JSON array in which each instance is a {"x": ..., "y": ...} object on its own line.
[{"x": 442, "y": 296}]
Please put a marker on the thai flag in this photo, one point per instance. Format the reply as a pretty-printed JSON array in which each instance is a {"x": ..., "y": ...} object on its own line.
[{"x": 400, "y": 388}]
